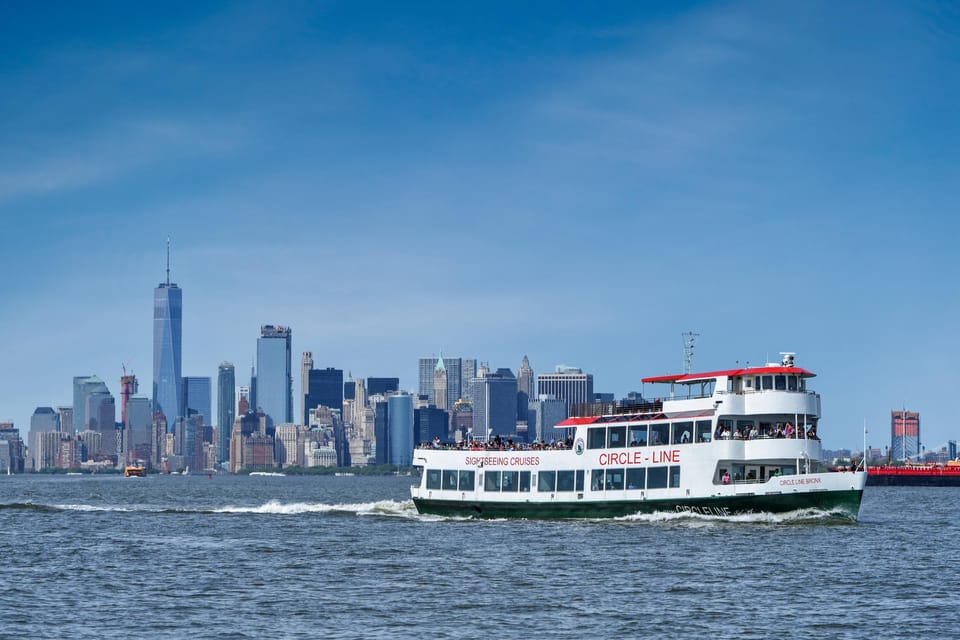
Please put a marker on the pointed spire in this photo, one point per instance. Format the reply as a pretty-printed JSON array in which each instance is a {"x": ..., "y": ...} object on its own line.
[
  {"x": 440, "y": 365},
  {"x": 168, "y": 261}
]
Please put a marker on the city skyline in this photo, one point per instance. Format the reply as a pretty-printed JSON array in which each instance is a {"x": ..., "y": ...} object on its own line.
[{"x": 580, "y": 187}]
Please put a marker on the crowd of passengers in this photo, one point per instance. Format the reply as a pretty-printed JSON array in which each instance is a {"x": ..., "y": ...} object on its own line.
[
  {"x": 780, "y": 430},
  {"x": 499, "y": 443}
]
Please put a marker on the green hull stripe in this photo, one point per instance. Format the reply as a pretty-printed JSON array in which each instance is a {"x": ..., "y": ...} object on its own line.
[{"x": 848, "y": 501}]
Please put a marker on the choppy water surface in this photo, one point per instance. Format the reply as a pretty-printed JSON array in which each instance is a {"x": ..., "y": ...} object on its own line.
[{"x": 292, "y": 557}]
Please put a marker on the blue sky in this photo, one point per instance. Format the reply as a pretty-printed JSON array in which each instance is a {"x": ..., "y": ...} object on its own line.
[{"x": 576, "y": 182}]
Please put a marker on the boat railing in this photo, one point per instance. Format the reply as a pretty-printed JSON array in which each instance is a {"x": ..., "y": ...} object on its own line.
[{"x": 590, "y": 409}]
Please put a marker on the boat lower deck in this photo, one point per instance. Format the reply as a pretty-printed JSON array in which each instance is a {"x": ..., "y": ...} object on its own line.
[{"x": 845, "y": 501}]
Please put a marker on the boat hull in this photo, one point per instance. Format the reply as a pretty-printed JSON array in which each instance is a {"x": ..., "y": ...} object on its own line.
[{"x": 846, "y": 502}]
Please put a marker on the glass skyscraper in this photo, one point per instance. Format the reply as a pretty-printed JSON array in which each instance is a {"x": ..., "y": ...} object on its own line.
[
  {"x": 325, "y": 387},
  {"x": 167, "y": 355},
  {"x": 400, "y": 426},
  {"x": 197, "y": 398},
  {"x": 274, "y": 375},
  {"x": 226, "y": 401}
]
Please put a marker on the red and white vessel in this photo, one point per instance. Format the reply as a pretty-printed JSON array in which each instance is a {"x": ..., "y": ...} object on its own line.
[{"x": 718, "y": 443}]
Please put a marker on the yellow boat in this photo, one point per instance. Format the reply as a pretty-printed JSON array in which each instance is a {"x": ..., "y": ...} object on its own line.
[{"x": 134, "y": 472}]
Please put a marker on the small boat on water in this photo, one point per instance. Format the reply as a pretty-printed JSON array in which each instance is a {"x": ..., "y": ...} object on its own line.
[
  {"x": 134, "y": 471},
  {"x": 721, "y": 443},
  {"x": 270, "y": 474}
]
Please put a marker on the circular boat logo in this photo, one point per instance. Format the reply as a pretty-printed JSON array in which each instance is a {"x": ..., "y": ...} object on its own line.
[{"x": 578, "y": 447}]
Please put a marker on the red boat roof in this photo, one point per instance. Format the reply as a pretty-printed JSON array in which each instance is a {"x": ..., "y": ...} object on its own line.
[{"x": 750, "y": 371}]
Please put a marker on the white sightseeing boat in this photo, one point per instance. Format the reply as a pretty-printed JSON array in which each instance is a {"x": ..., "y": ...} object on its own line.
[{"x": 718, "y": 443}]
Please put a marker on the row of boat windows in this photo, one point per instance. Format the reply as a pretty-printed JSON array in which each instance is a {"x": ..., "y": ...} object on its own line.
[
  {"x": 654, "y": 434},
  {"x": 555, "y": 481},
  {"x": 775, "y": 383}
]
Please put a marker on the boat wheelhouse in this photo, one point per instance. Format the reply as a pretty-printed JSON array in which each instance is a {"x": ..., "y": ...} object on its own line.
[{"x": 718, "y": 443}]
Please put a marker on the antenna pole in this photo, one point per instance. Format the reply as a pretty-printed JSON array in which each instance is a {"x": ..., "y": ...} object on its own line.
[
  {"x": 168, "y": 261},
  {"x": 689, "y": 338}
]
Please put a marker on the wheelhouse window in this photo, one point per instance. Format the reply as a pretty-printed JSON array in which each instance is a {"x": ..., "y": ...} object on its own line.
[
  {"x": 636, "y": 477},
  {"x": 450, "y": 480},
  {"x": 637, "y": 435},
  {"x": 780, "y": 383},
  {"x": 509, "y": 481},
  {"x": 767, "y": 382},
  {"x": 616, "y": 437},
  {"x": 596, "y": 438},
  {"x": 681, "y": 432},
  {"x": 466, "y": 481},
  {"x": 704, "y": 431},
  {"x": 491, "y": 481},
  {"x": 791, "y": 383},
  {"x": 547, "y": 481},
  {"x": 433, "y": 479}
]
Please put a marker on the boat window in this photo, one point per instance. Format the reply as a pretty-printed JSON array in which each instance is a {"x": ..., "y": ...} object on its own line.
[
  {"x": 657, "y": 478},
  {"x": 767, "y": 382},
  {"x": 780, "y": 383},
  {"x": 466, "y": 481},
  {"x": 509, "y": 482},
  {"x": 616, "y": 437},
  {"x": 525, "y": 481},
  {"x": 791, "y": 383},
  {"x": 803, "y": 384},
  {"x": 659, "y": 434},
  {"x": 703, "y": 431},
  {"x": 565, "y": 481},
  {"x": 547, "y": 481},
  {"x": 596, "y": 438},
  {"x": 637, "y": 435},
  {"x": 491, "y": 481},
  {"x": 596, "y": 480},
  {"x": 433, "y": 479},
  {"x": 756, "y": 383},
  {"x": 681, "y": 432},
  {"x": 674, "y": 476},
  {"x": 635, "y": 477},
  {"x": 614, "y": 479},
  {"x": 579, "y": 479},
  {"x": 788, "y": 470},
  {"x": 730, "y": 385},
  {"x": 748, "y": 383},
  {"x": 450, "y": 480}
]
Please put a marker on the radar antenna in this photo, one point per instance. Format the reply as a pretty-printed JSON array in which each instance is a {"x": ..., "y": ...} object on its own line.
[{"x": 689, "y": 338}]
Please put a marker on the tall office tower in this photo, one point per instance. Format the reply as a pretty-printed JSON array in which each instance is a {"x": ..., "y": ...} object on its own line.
[
  {"x": 381, "y": 428},
  {"x": 274, "y": 376},
  {"x": 252, "y": 389},
  {"x": 440, "y": 385},
  {"x": 904, "y": 434},
  {"x": 101, "y": 416},
  {"x": 128, "y": 387},
  {"x": 243, "y": 402},
  {"x": 11, "y": 449},
  {"x": 306, "y": 365},
  {"x": 468, "y": 371},
  {"x": 43, "y": 421},
  {"x": 197, "y": 397},
  {"x": 400, "y": 428},
  {"x": 139, "y": 429},
  {"x": 83, "y": 386},
  {"x": 226, "y": 408},
  {"x": 382, "y": 386},
  {"x": 349, "y": 387},
  {"x": 569, "y": 384},
  {"x": 495, "y": 403},
  {"x": 359, "y": 401},
  {"x": 544, "y": 413},
  {"x": 454, "y": 372},
  {"x": 526, "y": 380},
  {"x": 429, "y": 423},
  {"x": 325, "y": 389},
  {"x": 65, "y": 415},
  {"x": 167, "y": 356},
  {"x": 288, "y": 445}
]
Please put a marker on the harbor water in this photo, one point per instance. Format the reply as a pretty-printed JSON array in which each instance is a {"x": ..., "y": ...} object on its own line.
[{"x": 349, "y": 557}]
